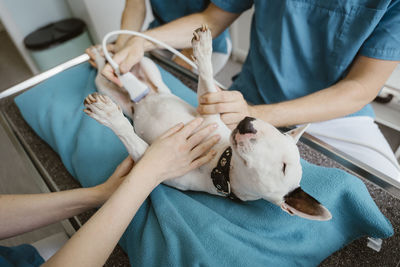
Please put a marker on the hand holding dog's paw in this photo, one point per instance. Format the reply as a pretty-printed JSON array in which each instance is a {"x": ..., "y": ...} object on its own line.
[
  {"x": 181, "y": 149},
  {"x": 95, "y": 52},
  {"x": 231, "y": 105}
]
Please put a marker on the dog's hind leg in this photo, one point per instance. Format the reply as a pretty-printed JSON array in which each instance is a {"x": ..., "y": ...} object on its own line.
[
  {"x": 105, "y": 87},
  {"x": 202, "y": 51},
  {"x": 99, "y": 58},
  {"x": 152, "y": 76},
  {"x": 104, "y": 110}
]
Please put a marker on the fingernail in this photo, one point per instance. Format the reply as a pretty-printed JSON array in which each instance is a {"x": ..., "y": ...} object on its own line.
[{"x": 214, "y": 125}]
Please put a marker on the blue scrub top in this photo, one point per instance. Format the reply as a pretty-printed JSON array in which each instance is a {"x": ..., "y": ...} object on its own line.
[
  {"x": 22, "y": 256},
  {"x": 168, "y": 10},
  {"x": 301, "y": 46}
]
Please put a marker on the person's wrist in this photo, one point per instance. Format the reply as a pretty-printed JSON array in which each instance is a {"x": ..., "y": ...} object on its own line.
[
  {"x": 119, "y": 44},
  {"x": 145, "y": 168},
  {"x": 148, "y": 46},
  {"x": 265, "y": 112},
  {"x": 252, "y": 111},
  {"x": 144, "y": 43},
  {"x": 97, "y": 195}
]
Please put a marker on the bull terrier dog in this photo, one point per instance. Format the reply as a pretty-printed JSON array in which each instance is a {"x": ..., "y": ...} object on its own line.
[{"x": 255, "y": 160}]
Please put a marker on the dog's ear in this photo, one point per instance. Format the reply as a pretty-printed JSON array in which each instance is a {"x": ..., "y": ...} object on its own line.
[
  {"x": 297, "y": 132},
  {"x": 303, "y": 205}
]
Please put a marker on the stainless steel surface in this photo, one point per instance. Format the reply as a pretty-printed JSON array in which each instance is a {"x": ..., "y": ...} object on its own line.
[
  {"x": 43, "y": 76},
  {"x": 47, "y": 183},
  {"x": 354, "y": 165},
  {"x": 172, "y": 64},
  {"x": 24, "y": 178}
]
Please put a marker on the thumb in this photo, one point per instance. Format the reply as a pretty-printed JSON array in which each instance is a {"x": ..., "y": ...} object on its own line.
[{"x": 108, "y": 72}]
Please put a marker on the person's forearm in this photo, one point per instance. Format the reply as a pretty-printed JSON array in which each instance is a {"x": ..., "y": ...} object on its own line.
[
  {"x": 23, "y": 213},
  {"x": 132, "y": 19},
  {"x": 360, "y": 86},
  {"x": 101, "y": 233},
  {"x": 343, "y": 98},
  {"x": 179, "y": 33},
  {"x": 177, "y": 151}
]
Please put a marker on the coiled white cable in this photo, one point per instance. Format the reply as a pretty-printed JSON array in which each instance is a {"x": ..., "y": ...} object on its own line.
[{"x": 134, "y": 33}]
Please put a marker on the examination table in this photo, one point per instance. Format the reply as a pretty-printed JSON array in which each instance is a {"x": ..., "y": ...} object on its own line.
[{"x": 385, "y": 192}]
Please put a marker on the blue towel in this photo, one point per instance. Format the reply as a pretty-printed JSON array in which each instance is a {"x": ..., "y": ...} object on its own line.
[{"x": 175, "y": 228}]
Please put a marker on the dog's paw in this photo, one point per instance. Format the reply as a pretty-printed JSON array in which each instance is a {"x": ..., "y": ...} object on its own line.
[
  {"x": 98, "y": 55},
  {"x": 202, "y": 44},
  {"x": 103, "y": 109}
]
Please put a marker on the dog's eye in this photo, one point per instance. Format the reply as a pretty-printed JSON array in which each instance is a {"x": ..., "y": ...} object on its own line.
[{"x": 284, "y": 168}]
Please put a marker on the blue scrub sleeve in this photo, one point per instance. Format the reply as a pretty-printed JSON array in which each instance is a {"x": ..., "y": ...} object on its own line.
[
  {"x": 21, "y": 256},
  {"x": 233, "y": 6},
  {"x": 384, "y": 41}
]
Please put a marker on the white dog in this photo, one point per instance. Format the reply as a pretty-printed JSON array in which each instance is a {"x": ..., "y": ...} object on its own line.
[{"x": 256, "y": 160}]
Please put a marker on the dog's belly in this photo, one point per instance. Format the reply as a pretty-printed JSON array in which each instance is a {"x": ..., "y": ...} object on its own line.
[{"x": 157, "y": 113}]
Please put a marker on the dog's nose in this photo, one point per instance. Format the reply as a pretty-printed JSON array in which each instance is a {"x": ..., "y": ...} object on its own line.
[{"x": 246, "y": 126}]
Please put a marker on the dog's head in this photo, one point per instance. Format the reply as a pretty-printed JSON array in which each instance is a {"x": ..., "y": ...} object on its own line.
[{"x": 267, "y": 166}]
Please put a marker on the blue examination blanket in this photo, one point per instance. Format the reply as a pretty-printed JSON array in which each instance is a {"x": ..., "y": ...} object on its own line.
[{"x": 175, "y": 228}]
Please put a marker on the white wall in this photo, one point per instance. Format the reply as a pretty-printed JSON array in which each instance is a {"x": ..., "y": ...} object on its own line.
[
  {"x": 103, "y": 16},
  {"x": 21, "y": 17},
  {"x": 240, "y": 33}
]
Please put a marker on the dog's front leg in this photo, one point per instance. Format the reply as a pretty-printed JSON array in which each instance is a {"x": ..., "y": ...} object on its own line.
[{"x": 104, "y": 110}]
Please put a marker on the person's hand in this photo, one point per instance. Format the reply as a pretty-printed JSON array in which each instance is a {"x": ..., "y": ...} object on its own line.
[
  {"x": 126, "y": 58},
  {"x": 229, "y": 104},
  {"x": 106, "y": 189},
  {"x": 180, "y": 150},
  {"x": 110, "y": 47}
]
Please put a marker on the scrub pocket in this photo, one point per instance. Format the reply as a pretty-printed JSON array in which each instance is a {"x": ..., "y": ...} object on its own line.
[
  {"x": 359, "y": 23},
  {"x": 327, "y": 33}
]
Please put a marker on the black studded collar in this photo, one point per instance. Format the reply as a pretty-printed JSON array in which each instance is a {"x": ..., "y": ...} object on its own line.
[{"x": 220, "y": 175}]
